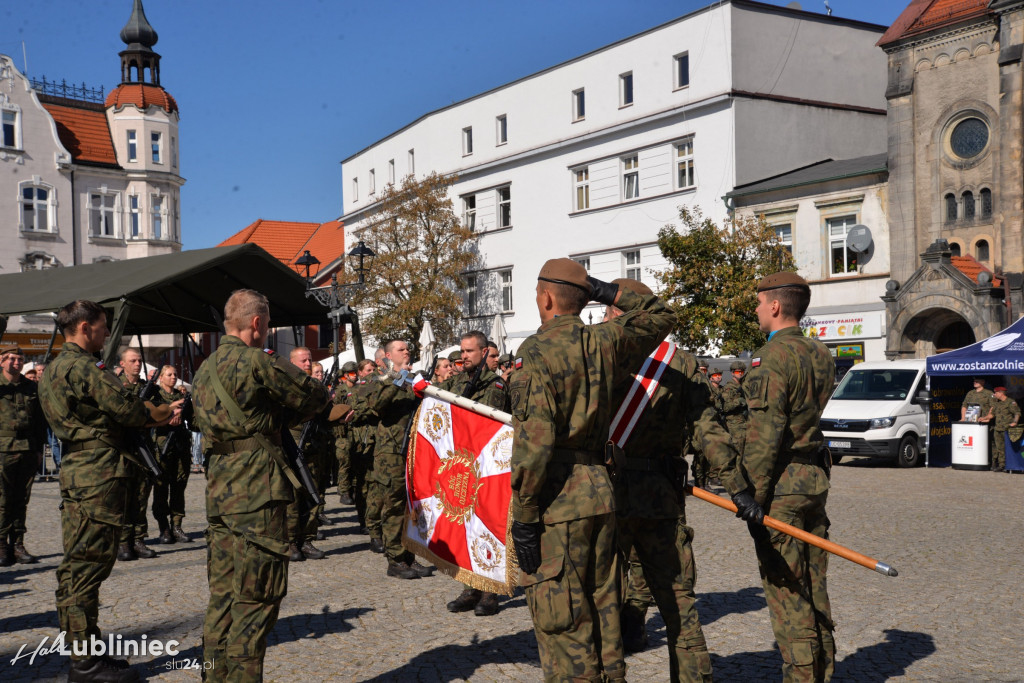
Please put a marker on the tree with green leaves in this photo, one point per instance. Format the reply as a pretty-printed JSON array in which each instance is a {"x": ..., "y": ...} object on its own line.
[
  {"x": 422, "y": 250},
  {"x": 710, "y": 281}
]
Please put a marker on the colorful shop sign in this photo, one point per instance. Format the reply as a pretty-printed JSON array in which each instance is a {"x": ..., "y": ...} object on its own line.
[{"x": 844, "y": 326}]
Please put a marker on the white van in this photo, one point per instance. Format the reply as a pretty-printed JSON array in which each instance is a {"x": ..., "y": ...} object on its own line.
[{"x": 879, "y": 409}]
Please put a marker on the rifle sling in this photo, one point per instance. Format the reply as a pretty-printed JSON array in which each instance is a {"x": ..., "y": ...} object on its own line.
[{"x": 236, "y": 414}]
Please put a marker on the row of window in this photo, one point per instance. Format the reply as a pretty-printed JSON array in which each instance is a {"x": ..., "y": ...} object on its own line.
[
  {"x": 155, "y": 147},
  {"x": 500, "y": 134},
  {"x": 105, "y": 216},
  {"x": 372, "y": 176},
  {"x": 503, "y": 213},
  {"x": 981, "y": 249},
  {"x": 842, "y": 260},
  {"x": 684, "y": 176},
  {"x": 680, "y": 79},
  {"x": 630, "y": 264},
  {"x": 966, "y": 207}
]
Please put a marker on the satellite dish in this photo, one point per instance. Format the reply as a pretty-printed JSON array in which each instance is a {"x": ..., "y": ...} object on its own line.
[{"x": 858, "y": 239}]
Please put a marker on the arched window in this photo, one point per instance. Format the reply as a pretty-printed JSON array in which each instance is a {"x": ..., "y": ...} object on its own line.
[
  {"x": 950, "y": 207},
  {"x": 986, "y": 203},
  {"x": 968, "y": 198},
  {"x": 954, "y": 248},
  {"x": 981, "y": 250}
]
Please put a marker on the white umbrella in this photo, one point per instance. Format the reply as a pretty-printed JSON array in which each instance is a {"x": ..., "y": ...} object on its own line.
[
  {"x": 427, "y": 342},
  {"x": 498, "y": 334}
]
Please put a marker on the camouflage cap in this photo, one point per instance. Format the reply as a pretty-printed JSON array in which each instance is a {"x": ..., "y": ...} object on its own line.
[
  {"x": 715, "y": 371},
  {"x": 737, "y": 365},
  {"x": 504, "y": 358},
  {"x": 565, "y": 271},
  {"x": 783, "y": 279},
  {"x": 454, "y": 356},
  {"x": 350, "y": 366},
  {"x": 11, "y": 348},
  {"x": 702, "y": 364},
  {"x": 632, "y": 285}
]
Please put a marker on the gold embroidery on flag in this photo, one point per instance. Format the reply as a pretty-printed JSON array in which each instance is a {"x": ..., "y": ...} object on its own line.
[{"x": 462, "y": 483}]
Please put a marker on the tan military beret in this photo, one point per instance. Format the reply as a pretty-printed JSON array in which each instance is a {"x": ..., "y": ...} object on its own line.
[
  {"x": 159, "y": 413},
  {"x": 632, "y": 285},
  {"x": 338, "y": 412},
  {"x": 11, "y": 348},
  {"x": 784, "y": 279},
  {"x": 565, "y": 271}
]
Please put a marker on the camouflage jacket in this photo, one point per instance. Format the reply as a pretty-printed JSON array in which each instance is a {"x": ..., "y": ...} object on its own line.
[
  {"x": 22, "y": 424},
  {"x": 789, "y": 382},
  {"x": 1005, "y": 412},
  {"x": 364, "y": 422},
  {"x": 393, "y": 407},
  {"x": 984, "y": 398},
  {"x": 272, "y": 394},
  {"x": 734, "y": 407},
  {"x": 160, "y": 433},
  {"x": 83, "y": 401},
  {"x": 343, "y": 393},
  {"x": 490, "y": 388},
  {"x": 681, "y": 403},
  {"x": 563, "y": 397}
]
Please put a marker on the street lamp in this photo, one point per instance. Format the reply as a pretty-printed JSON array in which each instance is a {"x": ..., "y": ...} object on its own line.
[{"x": 360, "y": 259}]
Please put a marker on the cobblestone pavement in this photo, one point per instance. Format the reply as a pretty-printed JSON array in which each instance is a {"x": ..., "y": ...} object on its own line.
[{"x": 953, "y": 614}]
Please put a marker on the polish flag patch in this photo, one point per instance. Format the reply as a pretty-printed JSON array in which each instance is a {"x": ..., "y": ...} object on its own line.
[{"x": 754, "y": 362}]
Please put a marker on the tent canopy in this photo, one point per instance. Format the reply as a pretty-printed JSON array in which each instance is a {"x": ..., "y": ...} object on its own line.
[
  {"x": 168, "y": 294},
  {"x": 1000, "y": 354}
]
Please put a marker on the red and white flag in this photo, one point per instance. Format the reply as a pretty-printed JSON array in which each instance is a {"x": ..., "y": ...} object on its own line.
[{"x": 458, "y": 479}]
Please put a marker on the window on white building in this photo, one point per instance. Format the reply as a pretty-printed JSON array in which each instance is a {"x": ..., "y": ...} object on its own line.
[
  {"x": 506, "y": 291},
  {"x": 355, "y": 189},
  {"x": 471, "y": 295},
  {"x": 630, "y": 177},
  {"x": 626, "y": 89},
  {"x": 155, "y": 140},
  {"x": 583, "y": 261},
  {"x": 372, "y": 181},
  {"x": 103, "y": 208},
  {"x": 467, "y": 140},
  {"x": 10, "y": 129},
  {"x": 36, "y": 208},
  {"x": 135, "y": 226},
  {"x": 505, "y": 207},
  {"x": 631, "y": 264},
  {"x": 581, "y": 182},
  {"x": 391, "y": 171},
  {"x": 133, "y": 146},
  {"x": 412, "y": 161},
  {"x": 682, "y": 70},
  {"x": 685, "y": 177},
  {"x": 842, "y": 261},
  {"x": 469, "y": 211},
  {"x": 784, "y": 231},
  {"x": 501, "y": 129},
  {"x": 174, "y": 152},
  {"x": 579, "y": 105},
  {"x": 158, "y": 217}
]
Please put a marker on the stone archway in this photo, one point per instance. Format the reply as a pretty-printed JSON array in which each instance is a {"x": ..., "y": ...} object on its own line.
[{"x": 933, "y": 329}]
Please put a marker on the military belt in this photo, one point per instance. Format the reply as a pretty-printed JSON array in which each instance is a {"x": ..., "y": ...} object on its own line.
[
  {"x": 14, "y": 433},
  {"x": 635, "y": 464},
  {"x": 76, "y": 446},
  {"x": 817, "y": 458},
  {"x": 574, "y": 456},
  {"x": 238, "y": 445}
]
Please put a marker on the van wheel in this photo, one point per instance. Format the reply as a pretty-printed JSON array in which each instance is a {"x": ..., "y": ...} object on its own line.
[{"x": 908, "y": 454}]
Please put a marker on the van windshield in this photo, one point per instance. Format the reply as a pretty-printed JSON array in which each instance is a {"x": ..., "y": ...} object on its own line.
[{"x": 875, "y": 385}]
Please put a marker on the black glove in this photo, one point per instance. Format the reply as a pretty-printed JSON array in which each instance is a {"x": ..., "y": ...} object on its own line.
[
  {"x": 602, "y": 292},
  {"x": 747, "y": 508},
  {"x": 526, "y": 539}
]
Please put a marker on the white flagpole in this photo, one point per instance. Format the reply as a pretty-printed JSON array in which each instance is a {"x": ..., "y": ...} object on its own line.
[{"x": 455, "y": 399}]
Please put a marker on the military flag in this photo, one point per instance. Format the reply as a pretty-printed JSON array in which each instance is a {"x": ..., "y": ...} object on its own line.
[{"x": 458, "y": 480}]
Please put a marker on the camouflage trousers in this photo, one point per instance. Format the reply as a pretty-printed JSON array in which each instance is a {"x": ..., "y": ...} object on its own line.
[
  {"x": 301, "y": 514},
  {"x": 169, "y": 492},
  {"x": 343, "y": 465},
  {"x": 136, "y": 525},
  {"x": 701, "y": 469},
  {"x": 998, "y": 450},
  {"x": 574, "y": 601},
  {"x": 17, "y": 472},
  {"x": 374, "y": 500},
  {"x": 794, "y": 577},
  {"x": 663, "y": 549},
  {"x": 637, "y": 593},
  {"x": 90, "y": 526},
  {"x": 389, "y": 475},
  {"x": 358, "y": 469},
  {"x": 247, "y": 569}
]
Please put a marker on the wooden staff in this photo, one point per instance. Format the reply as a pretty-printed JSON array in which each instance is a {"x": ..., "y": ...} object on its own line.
[{"x": 799, "y": 534}]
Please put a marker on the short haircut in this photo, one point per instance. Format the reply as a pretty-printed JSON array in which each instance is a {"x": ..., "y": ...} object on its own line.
[
  {"x": 378, "y": 354},
  {"x": 242, "y": 306},
  {"x": 480, "y": 337},
  {"x": 389, "y": 345},
  {"x": 793, "y": 301},
  {"x": 364, "y": 362},
  {"x": 569, "y": 298},
  {"x": 492, "y": 345},
  {"x": 77, "y": 312},
  {"x": 125, "y": 351},
  {"x": 298, "y": 349},
  {"x": 318, "y": 364}
]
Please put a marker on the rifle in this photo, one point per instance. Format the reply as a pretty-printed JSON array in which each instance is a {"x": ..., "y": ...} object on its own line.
[
  {"x": 293, "y": 453},
  {"x": 475, "y": 379},
  {"x": 187, "y": 413},
  {"x": 140, "y": 440}
]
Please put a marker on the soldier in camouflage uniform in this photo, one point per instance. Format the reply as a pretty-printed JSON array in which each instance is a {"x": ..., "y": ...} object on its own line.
[
  {"x": 562, "y": 401},
  {"x": 650, "y": 508},
  {"x": 169, "y": 492},
  {"x": 136, "y": 524},
  {"x": 1005, "y": 414},
  {"x": 478, "y": 383},
  {"x": 89, "y": 410},
  {"x": 22, "y": 435},
  {"x": 343, "y": 439},
  {"x": 783, "y": 471},
  {"x": 364, "y": 434},
  {"x": 393, "y": 405},
  {"x": 734, "y": 406},
  {"x": 978, "y": 396},
  {"x": 244, "y": 396}
]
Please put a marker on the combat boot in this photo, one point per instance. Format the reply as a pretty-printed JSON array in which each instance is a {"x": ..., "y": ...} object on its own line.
[
  {"x": 179, "y": 535},
  {"x": 22, "y": 556},
  {"x": 400, "y": 570},
  {"x": 166, "y": 537},
  {"x": 102, "y": 669},
  {"x": 311, "y": 552},
  {"x": 6, "y": 554},
  {"x": 323, "y": 520},
  {"x": 346, "y": 498},
  {"x": 466, "y": 601},
  {"x": 421, "y": 570},
  {"x": 487, "y": 606},
  {"x": 634, "y": 628},
  {"x": 376, "y": 546},
  {"x": 125, "y": 553},
  {"x": 141, "y": 550},
  {"x": 294, "y": 554}
]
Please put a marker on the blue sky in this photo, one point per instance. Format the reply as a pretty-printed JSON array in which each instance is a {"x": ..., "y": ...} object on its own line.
[{"x": 274, "y": 94}]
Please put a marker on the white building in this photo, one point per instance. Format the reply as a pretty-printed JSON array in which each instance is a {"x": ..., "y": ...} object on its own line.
[{"x": 591, "y": 157}]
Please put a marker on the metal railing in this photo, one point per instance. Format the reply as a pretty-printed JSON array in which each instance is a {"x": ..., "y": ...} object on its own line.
[{"x": 67, "y": 91}]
